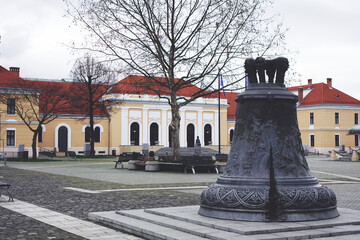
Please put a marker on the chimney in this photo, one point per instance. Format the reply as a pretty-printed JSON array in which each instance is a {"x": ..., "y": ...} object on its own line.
[
  {"x": 309, "y": 83},
  {"x": 15, "y": 70},
  {"x": 329, "y": 82},
  {"x": 300, "y": 94}
]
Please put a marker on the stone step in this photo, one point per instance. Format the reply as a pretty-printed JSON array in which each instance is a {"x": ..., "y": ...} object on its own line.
[
  {"x": 185, "y": 223},
  {"x": 138, "y": 227},
  {"x": 174, "y": 224}
]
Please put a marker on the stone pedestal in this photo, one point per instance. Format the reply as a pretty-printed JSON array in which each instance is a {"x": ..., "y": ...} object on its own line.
[
  {"x": 131, "y": 164},
  {"x": 152, "y": 166}
]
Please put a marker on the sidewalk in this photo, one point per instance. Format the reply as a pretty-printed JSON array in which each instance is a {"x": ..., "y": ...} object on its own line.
[{"x": 70, "y": 190}]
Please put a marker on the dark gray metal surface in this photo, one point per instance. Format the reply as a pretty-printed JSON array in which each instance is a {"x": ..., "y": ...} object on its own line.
[{"x": 267, "y": 177}]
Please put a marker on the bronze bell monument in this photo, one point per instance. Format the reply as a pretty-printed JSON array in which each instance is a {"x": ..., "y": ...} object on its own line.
[{"x": 267, "y": 177}]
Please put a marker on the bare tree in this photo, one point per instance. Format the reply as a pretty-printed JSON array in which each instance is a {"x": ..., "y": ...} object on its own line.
[
  {"x": 186, "y": 42},
  {"x": 36, "y": 103},
  {"x": 91, "y": 80}
]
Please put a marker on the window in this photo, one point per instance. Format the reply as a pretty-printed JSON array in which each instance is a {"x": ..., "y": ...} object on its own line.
[
  {"x": 96, "y": 134},
  {"x": 356, "y": 118},
  {"x": 311, "y": 118},
  {"x": 11, "y": 106},
  {"x": 337, "y": 121},
  {"x": 134, "y": 134},
  {"x": 207, "y": 135},
  {"x": 40, "y": 136},
  {"x": 312, "y": 140},
  {"x": 337, "y": 140},
  {"x": 10, "y": 138},
  {"x": 154, "y": 134},
  {"x": 356, "y": 140},
  {"x": 87, "y": 134}
]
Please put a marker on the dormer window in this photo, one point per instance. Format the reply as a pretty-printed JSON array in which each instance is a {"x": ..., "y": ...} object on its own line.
[{"x": 337, "y": 96}]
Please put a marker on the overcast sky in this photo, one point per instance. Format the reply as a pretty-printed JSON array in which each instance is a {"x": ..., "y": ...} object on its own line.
[{"x": 324, "y": 36}]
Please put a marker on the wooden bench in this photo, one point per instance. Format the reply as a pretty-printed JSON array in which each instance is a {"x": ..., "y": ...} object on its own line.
[
  {"x": 5, "y": 186},
  {"x": 72, "y": 154}
]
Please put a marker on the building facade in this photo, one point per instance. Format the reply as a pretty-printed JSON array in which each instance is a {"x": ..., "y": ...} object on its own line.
[
  {"x": 134, "y": 118},
  {"x": 325, "y": 116}
]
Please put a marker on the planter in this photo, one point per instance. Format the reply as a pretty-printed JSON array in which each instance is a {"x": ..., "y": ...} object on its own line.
[
  {"x": 152, "y": 166},
  {"x": 132, "y": 166}
]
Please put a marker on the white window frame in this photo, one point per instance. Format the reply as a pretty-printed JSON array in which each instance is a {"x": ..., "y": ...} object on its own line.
[{"x": 11, "y": 129}]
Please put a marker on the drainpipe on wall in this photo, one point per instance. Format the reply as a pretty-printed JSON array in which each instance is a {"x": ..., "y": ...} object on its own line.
[{"x": 109, "y": 136}]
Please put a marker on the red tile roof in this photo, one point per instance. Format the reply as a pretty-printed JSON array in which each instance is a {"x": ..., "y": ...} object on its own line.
[
  {"x": 231, "y": 111},
  {"x": 321, "y": 93},
  {"x": 9, "y": 79},
  {"x": 133, "y": 84}
]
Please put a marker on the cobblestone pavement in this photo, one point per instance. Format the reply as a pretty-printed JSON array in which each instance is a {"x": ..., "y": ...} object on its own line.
[{"x": 47, "y": 190}]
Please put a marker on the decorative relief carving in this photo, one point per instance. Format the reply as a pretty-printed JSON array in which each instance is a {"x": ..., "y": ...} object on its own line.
[{"x": 257, "y": 198}]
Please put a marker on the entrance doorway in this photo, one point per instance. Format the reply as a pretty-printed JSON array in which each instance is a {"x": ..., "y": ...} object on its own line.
[
  {"x": 190, "y": 132},
  {"x": 154, "y": 134},
  {"x": 63, "y": 139},
  {"x": 134, "y": 134},
  {"x": 207, "y": 135}
]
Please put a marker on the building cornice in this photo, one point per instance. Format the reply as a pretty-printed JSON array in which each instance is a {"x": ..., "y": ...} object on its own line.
[{"x": 330, "y": 106}]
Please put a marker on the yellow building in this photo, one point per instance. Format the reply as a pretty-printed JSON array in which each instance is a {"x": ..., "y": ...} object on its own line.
[
  {"x": 131, "y": 120},
  {"x": 136, "y": 117},
  {"x": 325, "y": 116}
]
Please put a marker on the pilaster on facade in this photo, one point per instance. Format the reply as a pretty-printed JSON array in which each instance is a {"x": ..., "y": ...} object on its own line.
[
  {"x": 124, "y": 126},
  {"x": 216, "y": 135},
  {"x": 163, "y": 128},
  {"x": 145, "y": 119},
  {"x": 200, "y": 126},
  {"x": 182, "y": 128}
]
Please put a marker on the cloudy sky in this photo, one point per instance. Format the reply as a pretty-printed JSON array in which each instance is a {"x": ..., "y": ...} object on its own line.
[{"x": 323, "y": 36}]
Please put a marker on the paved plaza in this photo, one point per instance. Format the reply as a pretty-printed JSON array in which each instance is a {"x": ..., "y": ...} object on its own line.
[{"x": 52, "y": 199}]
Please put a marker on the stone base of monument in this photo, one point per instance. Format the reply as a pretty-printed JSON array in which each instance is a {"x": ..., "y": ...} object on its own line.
[{"x": 186, "y": 223}]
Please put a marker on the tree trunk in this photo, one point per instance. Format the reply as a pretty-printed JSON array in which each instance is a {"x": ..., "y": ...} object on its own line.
[
  {"x": 175, "y": 127},
  {"x": 92, "y": 135},
  {"x": 33, "y": 145}
]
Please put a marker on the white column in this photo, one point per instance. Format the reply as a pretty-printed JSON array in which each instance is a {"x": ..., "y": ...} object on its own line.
[
  {"x": 145, "y": 126},
  {"x": 124, "y": 126},
  {"x": 182, "y": 129},
  {"x": 215, "y": 140},
  {"x": 163, "y": 128},
  {"x": 200, "y": 127}
]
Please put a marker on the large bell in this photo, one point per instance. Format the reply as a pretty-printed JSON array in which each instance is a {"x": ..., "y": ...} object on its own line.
[{"x": 267, "y": 177}]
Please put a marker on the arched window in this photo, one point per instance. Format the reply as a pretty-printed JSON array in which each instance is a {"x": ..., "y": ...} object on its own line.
[
  {"x": 231, "y": 135},
  {"x": 170, "y": 136},
  {"x": 154, "y": 134},
  {"x": 87, "y": 134},
  {"x": 63, "y": 139},
  {"x": 134, "y": 134},
  {"x": 97, "y": 134},
  {"x": 190, "y": 132},
  {"x": 40, "y": 135},
  {"x": 207, "y": 135}
]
